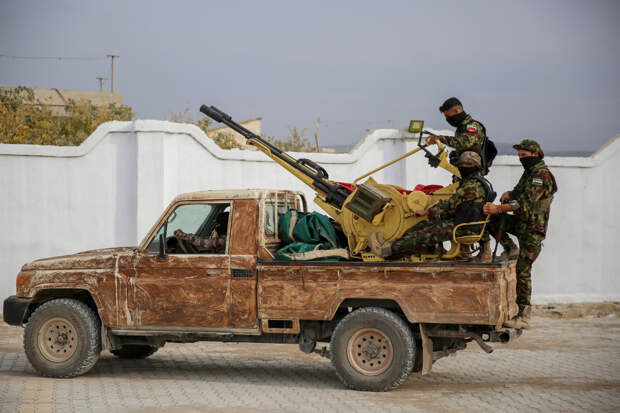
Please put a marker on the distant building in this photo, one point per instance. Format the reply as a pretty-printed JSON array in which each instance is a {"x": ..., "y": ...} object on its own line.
[{"x": 56, "y": 100}]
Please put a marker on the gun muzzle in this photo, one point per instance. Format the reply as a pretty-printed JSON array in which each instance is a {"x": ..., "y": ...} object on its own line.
[{"x": 214, "y": 113}]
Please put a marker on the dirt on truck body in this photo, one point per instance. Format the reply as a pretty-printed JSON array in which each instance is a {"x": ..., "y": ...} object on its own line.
[{"x": 382, "y": 320}]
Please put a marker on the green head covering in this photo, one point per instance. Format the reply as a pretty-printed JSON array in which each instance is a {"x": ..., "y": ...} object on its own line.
[{"x": 529, "y": 145}]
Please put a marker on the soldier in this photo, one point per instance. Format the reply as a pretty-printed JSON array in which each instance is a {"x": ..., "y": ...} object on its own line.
[
  {"x": 464, "y": 206},
  {"x": 216, "y": 241},
  {"x": 470, "y": 134},
  {"x": 530, "y": 201}
]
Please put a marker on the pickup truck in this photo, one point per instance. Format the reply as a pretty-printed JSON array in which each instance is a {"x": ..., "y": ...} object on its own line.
[{"x": 382, "y": 320}]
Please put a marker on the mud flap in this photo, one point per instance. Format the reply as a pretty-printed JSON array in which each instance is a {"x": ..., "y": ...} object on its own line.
[{"x": 427, "y": 351}]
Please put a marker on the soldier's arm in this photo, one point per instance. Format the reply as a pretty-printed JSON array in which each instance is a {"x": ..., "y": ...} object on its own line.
[
  {"x": 447, "y": 206},
  {"x": 470, "y": 138},
  {"x": 195, "y": 240}
]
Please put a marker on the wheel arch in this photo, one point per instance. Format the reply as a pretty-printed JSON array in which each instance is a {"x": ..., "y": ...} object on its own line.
[
  {"x": 355, "y": 303},
  {"x": 81, "y": 294}
]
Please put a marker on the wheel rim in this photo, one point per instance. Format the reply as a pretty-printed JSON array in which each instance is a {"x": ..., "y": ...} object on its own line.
[
  {"x": 370, "y": 351},
  {"x": 57, "y": 339}
]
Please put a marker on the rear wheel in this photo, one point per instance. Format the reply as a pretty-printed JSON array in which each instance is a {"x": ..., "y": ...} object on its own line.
[
  {"x": 62, "y": 338},
  {"x": 134, "y": 351},
  {"x": 372, "y": 349}
]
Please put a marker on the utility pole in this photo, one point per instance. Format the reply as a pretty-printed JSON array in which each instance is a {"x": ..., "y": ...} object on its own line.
[
  {"x": 112, "y": 56},
  {"x": 316, "y": 134},
  {"x": 101, "y": 79}
]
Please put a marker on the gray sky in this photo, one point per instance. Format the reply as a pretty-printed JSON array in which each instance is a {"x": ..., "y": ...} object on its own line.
[{"x": 542, "y": 69}]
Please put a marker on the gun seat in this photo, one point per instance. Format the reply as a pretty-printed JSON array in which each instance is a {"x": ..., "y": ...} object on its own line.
[{"x": 457, "y": 241}]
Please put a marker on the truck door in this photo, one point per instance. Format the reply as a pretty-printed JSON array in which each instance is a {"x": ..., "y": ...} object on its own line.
[{"x": 190, "y": 286}]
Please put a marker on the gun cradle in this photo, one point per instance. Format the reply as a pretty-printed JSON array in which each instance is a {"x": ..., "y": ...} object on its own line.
[{"x": 396, "y": 218}]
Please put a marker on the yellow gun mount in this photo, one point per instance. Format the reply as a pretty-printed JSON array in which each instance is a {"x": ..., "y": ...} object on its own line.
[{"x": 366, "y": 208}]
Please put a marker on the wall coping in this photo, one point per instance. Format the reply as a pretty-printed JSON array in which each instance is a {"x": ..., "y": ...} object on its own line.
[{"x": 608, "y": 150}]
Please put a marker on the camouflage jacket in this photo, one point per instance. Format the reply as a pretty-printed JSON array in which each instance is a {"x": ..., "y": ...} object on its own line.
[
  {"x": 470, "y": 190},
  {"x": 469, "y": 136},
  {"x": 531, "y": 198},
  {"x": 216, "y": 242}
]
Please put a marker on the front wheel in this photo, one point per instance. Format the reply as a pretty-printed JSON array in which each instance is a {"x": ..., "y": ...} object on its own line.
[
  {"x": 62, "y": 338},
  {"x": 372, "y": 349}
]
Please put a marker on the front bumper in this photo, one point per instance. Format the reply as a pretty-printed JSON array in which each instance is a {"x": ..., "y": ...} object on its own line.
[{"x": 14, "y": 310}]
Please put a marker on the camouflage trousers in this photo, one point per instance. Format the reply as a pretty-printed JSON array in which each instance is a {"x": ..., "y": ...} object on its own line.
[
  {"x": 426, "y": 234},
  {"x": 530, "y": 244}
]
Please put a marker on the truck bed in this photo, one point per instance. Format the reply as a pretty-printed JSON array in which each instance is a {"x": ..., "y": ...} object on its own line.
[{"x": 441, "y": 292}]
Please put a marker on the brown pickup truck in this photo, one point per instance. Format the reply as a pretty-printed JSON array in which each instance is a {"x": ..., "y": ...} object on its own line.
[{"x": 382, "y": 320}]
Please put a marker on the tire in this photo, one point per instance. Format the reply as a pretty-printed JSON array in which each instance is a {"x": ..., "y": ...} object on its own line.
[
  {"x": 134, "y": 351},
  {"x": 63, "y": 338},
  {"x": 372, "y": 349}
]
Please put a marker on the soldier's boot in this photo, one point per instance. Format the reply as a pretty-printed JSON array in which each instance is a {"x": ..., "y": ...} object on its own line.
[
  {"x": 522, "y": 320},
  {"x": 485, "y": 252},
  {"x": 378, "y": 245},
  {"x": 466, "y": 251},
  {"x": 511, "y": 252}
]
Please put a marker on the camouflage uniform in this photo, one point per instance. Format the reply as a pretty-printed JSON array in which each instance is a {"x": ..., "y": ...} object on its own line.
[
  {"x": 531, "y": 203},
  {"x": 214, "y": 242},
  {"x": 441, "y": 217},
  {"x": 469, "y": 136}
]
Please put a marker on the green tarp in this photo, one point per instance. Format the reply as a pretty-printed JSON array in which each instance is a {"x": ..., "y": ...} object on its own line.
[{"x": 309, "y": 236}]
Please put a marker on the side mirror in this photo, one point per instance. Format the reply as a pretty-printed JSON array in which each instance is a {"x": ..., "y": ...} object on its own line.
[{"x": 162, "y": 247}]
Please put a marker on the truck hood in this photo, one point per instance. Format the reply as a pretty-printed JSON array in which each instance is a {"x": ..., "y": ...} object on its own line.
[{"x": 88, "y": 260}]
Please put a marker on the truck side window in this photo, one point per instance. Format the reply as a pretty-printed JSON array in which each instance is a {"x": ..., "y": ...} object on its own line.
[
  {"x": 271, "y": 221},
  {"x": 195, "y": 229}
]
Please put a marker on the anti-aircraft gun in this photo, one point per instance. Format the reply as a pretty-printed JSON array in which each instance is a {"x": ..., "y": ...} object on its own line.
[{"x": 360, "y": 209}]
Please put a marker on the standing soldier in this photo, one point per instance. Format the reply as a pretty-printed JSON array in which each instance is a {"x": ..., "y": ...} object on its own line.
[
  {"x": 465, "y": 205},
  {"x": 530, "y": 201},
  {"x": 470, "y": 135}
]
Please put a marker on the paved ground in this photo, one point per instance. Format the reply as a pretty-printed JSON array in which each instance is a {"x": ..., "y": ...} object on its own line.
[{"x": 561, "y": 365}]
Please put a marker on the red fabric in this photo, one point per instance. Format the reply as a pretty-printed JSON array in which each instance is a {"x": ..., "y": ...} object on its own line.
[
  {"x": 346, "y": 185},
  {"x": 427, "y": 189}
]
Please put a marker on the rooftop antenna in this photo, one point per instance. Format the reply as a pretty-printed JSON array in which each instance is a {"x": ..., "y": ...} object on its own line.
[
  {"x": 101, "y": 79},
  {"x": 112, "y": 56}
]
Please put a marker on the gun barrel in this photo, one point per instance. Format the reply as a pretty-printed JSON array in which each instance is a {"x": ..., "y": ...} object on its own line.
[{"x": 316, "y": 178}]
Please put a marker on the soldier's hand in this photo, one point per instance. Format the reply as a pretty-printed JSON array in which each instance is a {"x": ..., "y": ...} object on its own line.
[
  {"x": 505, "y": 196},
  {"x": 420, "y": 213},
  {"x": 490, "y": 208},
  {"x": 431, "y": 140},
  {"x": 178, "y": 233}
]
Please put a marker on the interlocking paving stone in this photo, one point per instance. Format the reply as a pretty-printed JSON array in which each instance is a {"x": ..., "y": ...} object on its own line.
[{"x": 557, "y": 366}]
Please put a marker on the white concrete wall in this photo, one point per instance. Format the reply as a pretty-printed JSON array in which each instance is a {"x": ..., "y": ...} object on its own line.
[{"x": 109, "y": 190}]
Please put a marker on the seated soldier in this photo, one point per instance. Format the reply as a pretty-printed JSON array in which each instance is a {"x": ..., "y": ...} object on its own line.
[
  {"x": 464, "y": 206},
  {"x": 215, "y": 240}
]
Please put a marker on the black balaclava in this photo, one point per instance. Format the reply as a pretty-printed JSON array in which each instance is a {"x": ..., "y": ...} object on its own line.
[
  {"x": 466, "y": 171},
  {"x": 456, "y": 120},
  {"x": 529, "y": 161}
]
